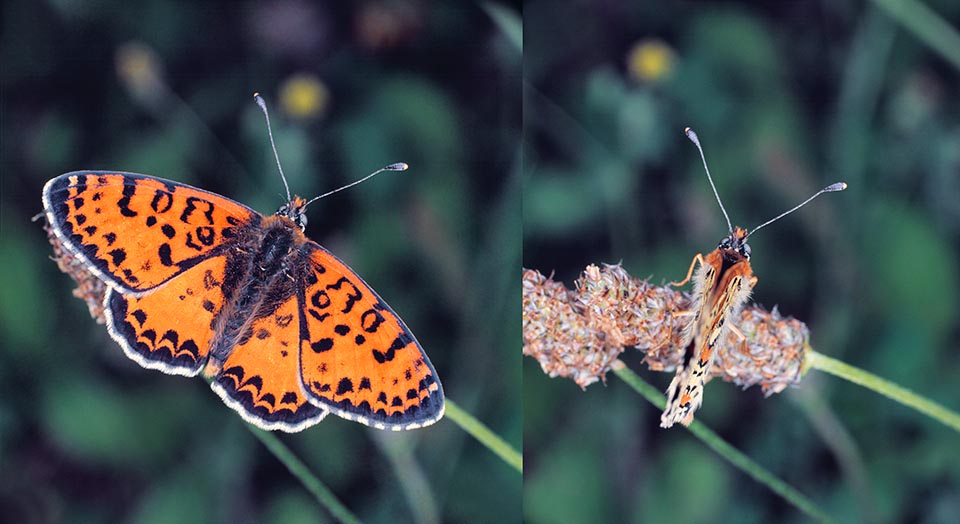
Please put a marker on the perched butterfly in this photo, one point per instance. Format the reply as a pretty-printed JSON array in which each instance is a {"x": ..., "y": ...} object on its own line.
[
  {"x": 721, "y": 287},
  {"x": 197, "y": 282}
]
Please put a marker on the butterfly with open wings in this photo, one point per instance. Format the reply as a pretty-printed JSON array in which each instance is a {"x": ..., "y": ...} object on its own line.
[{"x": 285, "y": 331}]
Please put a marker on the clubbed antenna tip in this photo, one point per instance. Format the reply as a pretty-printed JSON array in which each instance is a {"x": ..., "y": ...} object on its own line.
[
  {"x": 399, "y": 166},
  {"x": 836, "y": 186},
  {"x": 692, "y": 135},
  {"x": 266, "y": 114}
]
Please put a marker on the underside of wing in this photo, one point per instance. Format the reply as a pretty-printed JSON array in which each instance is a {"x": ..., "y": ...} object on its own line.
[{"x": 712, "y": 304}]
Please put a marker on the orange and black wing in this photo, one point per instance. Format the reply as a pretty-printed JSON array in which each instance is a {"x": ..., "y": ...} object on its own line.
[
  {"x": 357, "y": 358},
  {"x": 136, "y": 232},
  {"x": 170, "y": 327},
  {"x": 260, "y": 378},
  {"x": 161, "y": 247}
]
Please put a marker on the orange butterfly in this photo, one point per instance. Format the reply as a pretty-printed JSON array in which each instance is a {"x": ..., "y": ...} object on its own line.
[
  {"x": 198, "y": 282},
  {"x": 721, "y": 287}
]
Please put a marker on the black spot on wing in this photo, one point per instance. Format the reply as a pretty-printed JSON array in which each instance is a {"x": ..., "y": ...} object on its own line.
[
  {"x": 324, "y": 344},
  {"x": 117, "y": 256},
  {"x": 344, "y": 386},
  {"x": 370, "y": 320},
  {"x": 289, "y": 398},
  {"x": 124, "y": 202},
  {"x": 162, "y": 201},
  {"x": 402, "y": 340},
  {"x": 165, "y": 253}
]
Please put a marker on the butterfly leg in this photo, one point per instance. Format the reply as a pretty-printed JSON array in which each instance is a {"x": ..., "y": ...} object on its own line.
[
  {"x": 693, "y": 263},
  {"x": 736, "y": 331}
]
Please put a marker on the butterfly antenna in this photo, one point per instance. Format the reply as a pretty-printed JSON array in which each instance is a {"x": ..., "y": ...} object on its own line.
[
  {"x": 266, "y": 114},
  {"x": 399, "y": 166},
  {"x": 692, "y": 135},
  {"x": 839, "y": 186}
]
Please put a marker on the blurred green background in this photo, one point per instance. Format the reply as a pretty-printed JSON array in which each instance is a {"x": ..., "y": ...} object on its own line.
[
  {"x": 786, "y": 97},
  {"x": 165, "y": 88}
]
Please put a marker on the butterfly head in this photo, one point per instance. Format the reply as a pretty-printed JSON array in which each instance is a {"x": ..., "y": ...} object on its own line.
[
  {"x": 734, "y": 246},
  {"x": 295, "y": 210}
]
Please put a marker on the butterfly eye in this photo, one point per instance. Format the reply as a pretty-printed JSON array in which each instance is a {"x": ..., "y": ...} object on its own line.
[
  {"x": 745, "y": 250},
  {"x": 302, "y": 221}
]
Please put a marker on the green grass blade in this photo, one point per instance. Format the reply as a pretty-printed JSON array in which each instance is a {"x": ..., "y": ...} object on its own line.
[
  {"x": 508, "y": 21},
  {"x": 926, "y": 25},
  {"x": 483, "y": 434},
  {"x": 886, "y": 388},
  {"x": 298, "y": 469},
  {"x": 724, "y": 449}
]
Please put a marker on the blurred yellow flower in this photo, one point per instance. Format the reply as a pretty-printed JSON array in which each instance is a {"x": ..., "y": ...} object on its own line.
[
  {"x": 650, "y": 60},
  {"x": 304, "y": 96},
  {"x": 140, "y": 71}
]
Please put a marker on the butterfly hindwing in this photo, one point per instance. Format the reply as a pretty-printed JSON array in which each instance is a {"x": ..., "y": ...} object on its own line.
[
  {"x": 260, "y": 377},
  {"x": 136, "y": 232},
  {"x": 170, "y": 327},
  {"x": 357, "y": 358}
]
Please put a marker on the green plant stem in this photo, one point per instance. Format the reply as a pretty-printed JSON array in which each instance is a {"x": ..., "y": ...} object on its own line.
[
  {"x": 508, "y": 21},
  {"x": 483, "y": 434},
  {"x": 926, "y": 25},
  {"x": 298, "y": 469},
  {"x": 886, "y": 388},
  {"x": 723, "y": 448}
]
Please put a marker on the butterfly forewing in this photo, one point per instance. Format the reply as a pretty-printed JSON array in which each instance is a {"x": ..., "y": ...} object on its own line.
[{"x": 136, "y": 232}]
